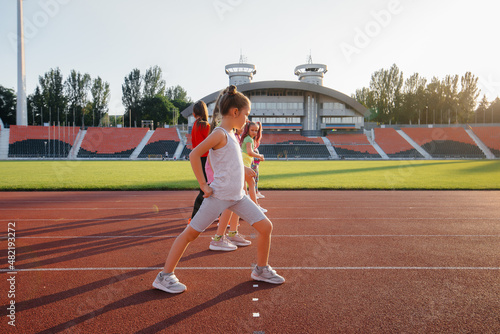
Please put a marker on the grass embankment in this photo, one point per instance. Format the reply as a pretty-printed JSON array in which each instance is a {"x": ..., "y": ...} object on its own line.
[{"x": 156, "y": 175}]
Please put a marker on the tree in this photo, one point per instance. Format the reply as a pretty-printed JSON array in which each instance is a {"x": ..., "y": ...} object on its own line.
[
  {"x": 413, "y": 100},
  {"x": 77, "y": 89},
  {"x": 131, "y": 98},
  {"x": 100, "y": 100},
  {"x": 159, "y": 109},
  {"x": 467, "y": 98},
  {"x": 385, "y": 86},
  {"x": 153, "y": 83},
  {"x": 493, "y": 112},
  {"x": 7, "y": 105},
  {"x": 52, "y": 90},
  {"x": 178, "y": 96},
  {"x": 36, "y": 104},
  {"x": 481, "y": 110}
]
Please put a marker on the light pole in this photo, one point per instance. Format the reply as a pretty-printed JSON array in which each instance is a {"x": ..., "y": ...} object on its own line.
[{"x": 22, "y": 109}]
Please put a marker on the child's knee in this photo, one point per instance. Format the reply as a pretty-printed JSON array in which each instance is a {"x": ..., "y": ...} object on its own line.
[{"x": 264, "y": 227}]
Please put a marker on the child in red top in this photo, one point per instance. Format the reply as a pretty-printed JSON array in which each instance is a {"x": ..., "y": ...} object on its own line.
[{"x": 200, "y": 131}]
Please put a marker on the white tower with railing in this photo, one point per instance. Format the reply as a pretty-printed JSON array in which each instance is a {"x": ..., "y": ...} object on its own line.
[
  {"x": 240, "y": 73},
  {"x": 311, "y": 73}
]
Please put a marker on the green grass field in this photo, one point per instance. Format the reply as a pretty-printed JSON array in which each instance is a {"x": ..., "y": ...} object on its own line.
[{"x": 156, "y": 175}]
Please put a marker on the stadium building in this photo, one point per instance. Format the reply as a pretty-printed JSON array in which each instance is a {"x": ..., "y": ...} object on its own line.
[
  {"x": 297, "y": 116},
  {"x": 304, "y": 106}
]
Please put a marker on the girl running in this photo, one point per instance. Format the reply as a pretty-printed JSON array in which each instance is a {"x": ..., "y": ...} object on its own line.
[
  {"x": 248, "y": 153},
  {"x": 256, "y": 161},
  {"x": 225, "y": 192}
]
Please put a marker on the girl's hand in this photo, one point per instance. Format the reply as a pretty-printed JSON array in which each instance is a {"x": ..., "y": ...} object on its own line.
[
  {"x": 249, "y": 173},
  {"x": 207, "y": 190},
  {"x": 261, "y": 157}
]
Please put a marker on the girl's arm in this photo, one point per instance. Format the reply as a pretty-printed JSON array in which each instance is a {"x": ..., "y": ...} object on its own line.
[
  {"x": 215, "y": 140},
  {"x": 251, "y": 153}
]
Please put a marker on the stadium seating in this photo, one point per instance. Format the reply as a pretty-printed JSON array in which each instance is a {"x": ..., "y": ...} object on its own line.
[
  {"x": 41, "y": 141},
  {"x": 292, "y": 146},
  {"x": 445, "y": 142},
  {"x": 162, "y": 141},
  {"x": 490, "y": 136},
  {"x": 111, "y": 142},
  {"x": 394, "y": 145},
  {"x": 353, "y": 146}
]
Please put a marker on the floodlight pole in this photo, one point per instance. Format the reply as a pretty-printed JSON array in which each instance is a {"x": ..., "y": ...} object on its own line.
[{"x": 22, "y": 109}]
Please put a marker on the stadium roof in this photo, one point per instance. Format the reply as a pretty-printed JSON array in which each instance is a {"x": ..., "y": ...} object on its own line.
[{"x": 287, "y": 85}]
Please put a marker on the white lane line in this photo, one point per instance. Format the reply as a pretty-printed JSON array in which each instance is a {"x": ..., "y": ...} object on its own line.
[
  {"x": 274, "y": 236},
  {"x": 247, "y": 268},
  {"x": 93, "y": 209},
  {"x": 272, "y": 218},
  {"x": 256, "y": 314},
  {"x": 167, "y": 207}
]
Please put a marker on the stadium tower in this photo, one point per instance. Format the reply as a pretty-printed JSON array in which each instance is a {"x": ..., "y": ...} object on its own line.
[
  {"x": 312, "y": 74},
  {"x": 240, "y": 73}
]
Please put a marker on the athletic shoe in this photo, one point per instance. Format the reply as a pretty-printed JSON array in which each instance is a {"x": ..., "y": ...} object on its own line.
[
  {"x": 267, "y": 274},
  {"x": 168, "y": 283},
  {"x": 222, "y": 245},
  {"x": 259, "y": 195},
  {"x": 239, "y": 240},
  {"x": 262, "y": 209}
]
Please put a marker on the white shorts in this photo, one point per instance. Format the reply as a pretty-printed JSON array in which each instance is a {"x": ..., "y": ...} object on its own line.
[{"x": 212, "y": 207}]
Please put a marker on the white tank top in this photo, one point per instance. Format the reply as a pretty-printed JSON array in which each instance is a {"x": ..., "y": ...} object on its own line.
[{"x": 229, "y": 172}]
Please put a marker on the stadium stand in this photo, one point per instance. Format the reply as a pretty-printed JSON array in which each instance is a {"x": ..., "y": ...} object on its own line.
[
  {"x": 111, "y": 142},
  {"x": 41, "y": 141},
  {"x": 353, "y": 146},
  {"x": 445, "y": 142},
  {"x": 394, "y": 145},
  {"x": 162, "y": 141},
  {"x": 490, "y": 136},
  {"x": 292, "y": 146}
]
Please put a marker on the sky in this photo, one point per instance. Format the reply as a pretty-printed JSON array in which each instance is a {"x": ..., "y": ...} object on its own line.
[{"x": 192, "y": 40}]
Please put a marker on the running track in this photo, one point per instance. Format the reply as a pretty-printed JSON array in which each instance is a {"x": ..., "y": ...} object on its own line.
[{"x": 355, "y": 262}]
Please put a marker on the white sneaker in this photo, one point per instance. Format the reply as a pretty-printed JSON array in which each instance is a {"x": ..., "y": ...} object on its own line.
[
  {"x": 259, "y": 195},
  {"x": 239, "y": 240},
  {"x": 267, "y": 274},
  {"x": 262, "y": 209},
  {"x": 222, "y": 245},
  {"x": 168, "y": 283}
]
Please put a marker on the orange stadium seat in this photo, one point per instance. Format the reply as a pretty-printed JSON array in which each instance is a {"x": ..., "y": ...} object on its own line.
[
  {"x": 41, "y": 141},
  {"x": 162, "y": 142},
  {"x": 355, "y": 145},
  {"x": 111, "y": 142},
  {"x": 394, "y": 145},
  {"x": 445, "y": 142},
  {"x": 490, "y": 136}
]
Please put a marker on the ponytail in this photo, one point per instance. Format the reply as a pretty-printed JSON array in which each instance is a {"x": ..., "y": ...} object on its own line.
[
  {"x": 228, "y": 98},
  {"x": 200, "y": 110}
]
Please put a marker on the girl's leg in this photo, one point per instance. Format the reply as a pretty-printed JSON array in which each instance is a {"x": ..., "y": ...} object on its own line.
[
  {"x": 199, "y": 199},
  {"x": 233, "y": 234},
  {"x": 234, "y": 222},
  {"x": 251, "y": 190},
  {"x": 219, "y": 242},
  {"x": 264, "y": 229},
  {"x": 256, "y": 169},
  {"x": 224, "y": 220},
  {"x": 178, "y": 247}
]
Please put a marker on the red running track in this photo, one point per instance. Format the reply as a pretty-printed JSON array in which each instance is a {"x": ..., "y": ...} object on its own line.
[{"x": 354, "y": 261}]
